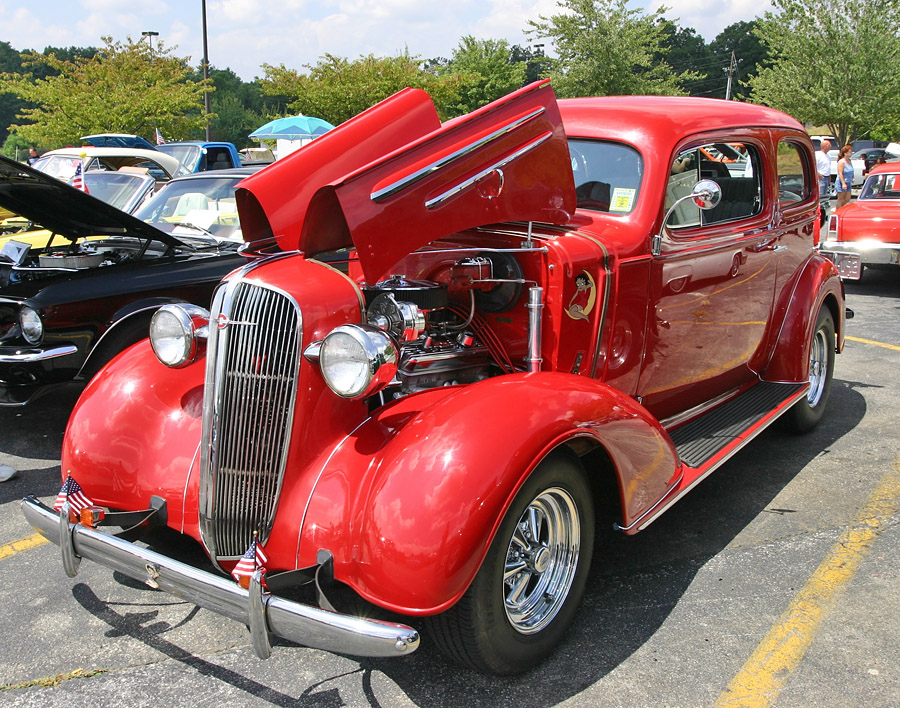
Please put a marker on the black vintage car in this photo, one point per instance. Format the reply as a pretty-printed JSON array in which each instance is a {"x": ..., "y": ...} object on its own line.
[{"x": 71, "y": 304}]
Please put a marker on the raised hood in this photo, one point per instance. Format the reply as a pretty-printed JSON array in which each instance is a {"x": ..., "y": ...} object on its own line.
[
  {"x": 393, "y": 179},
  {"x": 66, "y": 210}
]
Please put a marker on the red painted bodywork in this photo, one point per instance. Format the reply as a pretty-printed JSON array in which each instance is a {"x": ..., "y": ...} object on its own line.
[
  {"x": 873, "y": 219},
  {"x": 407, "y": 495}
]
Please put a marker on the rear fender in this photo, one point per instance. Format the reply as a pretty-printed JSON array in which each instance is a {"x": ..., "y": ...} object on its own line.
[
  {"x": 820, "y": 284},
  {"x": 409, "y": 503}
]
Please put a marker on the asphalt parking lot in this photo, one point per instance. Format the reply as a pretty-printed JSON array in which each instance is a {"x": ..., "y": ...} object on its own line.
[{"x": 775, "y": 583}]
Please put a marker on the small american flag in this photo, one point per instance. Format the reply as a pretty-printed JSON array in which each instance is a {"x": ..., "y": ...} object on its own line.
[
  {"x": 160, "y": 140},
  {"x": 254, "y": 558},
  {"x": 71, "y": 492},
  {"x": 78, "y": 179}
]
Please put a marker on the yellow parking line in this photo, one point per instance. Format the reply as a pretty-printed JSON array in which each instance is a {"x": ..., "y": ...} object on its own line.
[
  {"x": 873, "y": 342},
  {"x": 23, "y": 544},
  {"x": 766, "y": 672}
]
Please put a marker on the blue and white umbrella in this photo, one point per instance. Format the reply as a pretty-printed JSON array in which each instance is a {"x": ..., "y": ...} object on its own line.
[{"x": 292, "y": 128}]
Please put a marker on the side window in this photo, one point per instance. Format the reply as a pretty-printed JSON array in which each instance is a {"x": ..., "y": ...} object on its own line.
[
  {"x": 733, "y": 166},
  {"x": 793, "y": 177}
]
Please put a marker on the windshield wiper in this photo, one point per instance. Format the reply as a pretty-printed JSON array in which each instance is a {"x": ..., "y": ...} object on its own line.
[{"x": 189, "y": 225}]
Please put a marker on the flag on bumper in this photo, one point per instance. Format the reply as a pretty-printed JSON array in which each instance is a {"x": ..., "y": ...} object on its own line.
[
  {"x": 253, "y": 559},
  {"x": 71, "y": 492}
]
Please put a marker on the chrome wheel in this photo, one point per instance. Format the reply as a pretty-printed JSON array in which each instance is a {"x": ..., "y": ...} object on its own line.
[
  {"x": 818, "y": 367},
  {"x": 541, "y": 560}
]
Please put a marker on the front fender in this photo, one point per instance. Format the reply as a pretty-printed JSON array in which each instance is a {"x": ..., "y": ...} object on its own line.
[
  {"x": 820, "y": 284},
  {"x": 410, "y": 502},
  {"x": 134, "y": 433}
]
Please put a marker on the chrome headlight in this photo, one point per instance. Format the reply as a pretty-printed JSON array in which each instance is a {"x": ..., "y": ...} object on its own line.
[
  {"x": 32, "y": 327},
  {"x": 358, "y": 360},
  {"x": 178, "y": 334}
]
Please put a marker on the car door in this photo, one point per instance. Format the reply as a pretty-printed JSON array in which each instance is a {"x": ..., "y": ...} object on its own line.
[{"x": 713, "y": 280}]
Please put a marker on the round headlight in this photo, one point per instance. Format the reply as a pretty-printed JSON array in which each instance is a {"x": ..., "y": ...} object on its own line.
[
  {"x": 178, "y": 334},
  {"x": 32, "y": 327},
  {"x": 358, "y": 360}
]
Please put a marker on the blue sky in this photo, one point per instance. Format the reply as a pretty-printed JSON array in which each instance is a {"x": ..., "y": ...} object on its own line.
[{"x": 244, "y": 34}]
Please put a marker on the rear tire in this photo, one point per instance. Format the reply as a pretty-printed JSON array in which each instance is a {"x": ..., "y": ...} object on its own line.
[
  {"x": 527, "y": 591},
  {"x": 807, "y": 412}
]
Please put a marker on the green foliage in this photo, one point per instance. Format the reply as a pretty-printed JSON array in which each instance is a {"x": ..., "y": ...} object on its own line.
[
  {"x": 685, "y": 51},
  {"x": 16, "y": 147},
  {"x": 123, "y": 88},
  {"x": 486, "y": 71},
  {"x": 337, "y": 89},
  {"x": 604, "y": 48},
  {"x": 750, "y": 54},
  {"x": 834, "y": 63}
]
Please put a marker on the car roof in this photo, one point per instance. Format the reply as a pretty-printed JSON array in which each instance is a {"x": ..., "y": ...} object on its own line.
[
  {"x": 239, "y": 172},
  {"x": 657, "y": 123},
  {"x": 167, "y": 162},
  {"x": 886, "y": 167}
]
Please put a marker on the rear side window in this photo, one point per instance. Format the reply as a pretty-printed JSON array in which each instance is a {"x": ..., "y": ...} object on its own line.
[
  {"x": 735, "y": 167},
  {"x": 793, "y": 174}
]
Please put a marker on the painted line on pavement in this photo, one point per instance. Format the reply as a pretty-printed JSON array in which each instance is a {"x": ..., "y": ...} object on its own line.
[
  {"x": 23, "y": 544},
  {"x": 767, "y": 671},
  {"x": 873, "y": 342}
]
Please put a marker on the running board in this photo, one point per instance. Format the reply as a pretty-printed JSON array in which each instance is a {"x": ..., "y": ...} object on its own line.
[
  {"x": 701, "y": 440},
  {"x": 704, "y": 444}
]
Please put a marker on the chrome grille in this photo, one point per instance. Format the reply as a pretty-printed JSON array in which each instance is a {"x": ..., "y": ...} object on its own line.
[{"x": 253, "y": 360}]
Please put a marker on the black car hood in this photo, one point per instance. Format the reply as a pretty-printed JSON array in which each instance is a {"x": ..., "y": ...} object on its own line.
[{"x": 65, "y": 210}]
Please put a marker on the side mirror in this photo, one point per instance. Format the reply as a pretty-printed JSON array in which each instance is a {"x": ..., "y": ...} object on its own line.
[{"x": 706, "y": 195}]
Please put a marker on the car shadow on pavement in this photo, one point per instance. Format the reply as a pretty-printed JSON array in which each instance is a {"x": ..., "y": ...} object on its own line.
[
  {"x": 634, "y": 585},
  {"x": 636, "y": 581}
]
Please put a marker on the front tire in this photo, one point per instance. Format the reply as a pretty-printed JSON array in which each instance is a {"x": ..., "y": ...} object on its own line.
[
  {"x": 527, "y": 591},
  {"x": 807, "y": 412}
]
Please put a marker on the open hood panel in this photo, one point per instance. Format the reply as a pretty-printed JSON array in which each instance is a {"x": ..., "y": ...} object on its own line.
[
  {"x": 66, "y": 210},
  {"x": 508, "y": 161}
]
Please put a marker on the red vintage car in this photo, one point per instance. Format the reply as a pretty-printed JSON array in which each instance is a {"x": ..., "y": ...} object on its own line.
[
  {"x": 869, "y": 226},
  {"x": 470, "y": 331}
]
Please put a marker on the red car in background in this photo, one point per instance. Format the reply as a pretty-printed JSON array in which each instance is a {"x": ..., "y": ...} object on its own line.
[
  {"x": 472, "y": 330},
  {"x": 870, "y": 225}
]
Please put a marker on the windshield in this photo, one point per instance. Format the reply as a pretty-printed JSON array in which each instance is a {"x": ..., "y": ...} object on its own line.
[
  {"x": 195, "y": 207},
  {"x": 117, "y": 189},
  {"x": 881, "y": 186},
  {"x": 59, "y": 166},
  {"x": 607, "y": 175},
  {"x": 187, "y": 155}
]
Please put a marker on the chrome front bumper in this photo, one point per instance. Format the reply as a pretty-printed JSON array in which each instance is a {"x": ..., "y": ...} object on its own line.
[
  {"x": 261, "y": 611},
  {"x": 28, "y": 355}
]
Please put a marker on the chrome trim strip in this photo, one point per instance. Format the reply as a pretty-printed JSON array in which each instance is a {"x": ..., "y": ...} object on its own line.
[
  {"x": 187, "y": 481},
  {"x": 296, "y": 622},
  {"x": 496, "y": 167},
  {"x": 424, "y": 172},
  {"x": 32, "y": 355}
]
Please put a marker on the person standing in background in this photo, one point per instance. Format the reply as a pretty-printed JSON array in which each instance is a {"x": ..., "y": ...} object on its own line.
[
  {"x": 844, "y": 180},
  {"x": 823, "y": 169}
]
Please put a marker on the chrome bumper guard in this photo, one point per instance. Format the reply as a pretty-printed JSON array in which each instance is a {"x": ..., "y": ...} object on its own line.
[{"x": 265, "y": 614}]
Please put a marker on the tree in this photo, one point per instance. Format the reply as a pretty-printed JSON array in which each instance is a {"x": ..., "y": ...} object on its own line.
[
  {"x": 124, "y": 88},
  {"x": 337, "y": 89},
  {"x": 10, "y": 105},
  {"x": 834, "y": 63},
  {"x": 604, "y": 48},
  {"x": 486, "y": 71},
  {"x": 750, "y": 55},
  {"x": 685, "y": 51}
]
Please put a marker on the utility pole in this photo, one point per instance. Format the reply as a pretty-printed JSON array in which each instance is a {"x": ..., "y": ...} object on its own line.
[
  {"x": 730, "y": 74},
  {"x": 205, "y": 73}
]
